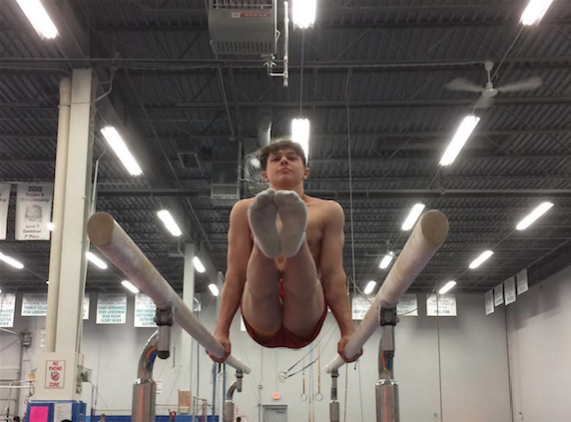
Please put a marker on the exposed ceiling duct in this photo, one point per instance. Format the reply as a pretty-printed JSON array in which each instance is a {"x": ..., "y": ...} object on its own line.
[{"x": 247, "y": 28}]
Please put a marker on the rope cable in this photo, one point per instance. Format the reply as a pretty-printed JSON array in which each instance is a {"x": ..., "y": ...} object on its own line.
[
  {"x": 358, "y": 363},
  {"x": 307, "y": 354},
  {"x": 301, "y": 73},
  {"x": 348, "y": 107},
  {"x": 346, "y": 390}
]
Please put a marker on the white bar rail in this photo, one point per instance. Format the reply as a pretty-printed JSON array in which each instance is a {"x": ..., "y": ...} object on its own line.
[
  {"x": 107, "y": 236},
  {"x": 428, "y": 235}
]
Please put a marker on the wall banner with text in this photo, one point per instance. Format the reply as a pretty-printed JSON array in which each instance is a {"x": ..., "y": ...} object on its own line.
[
  {"x": 4, "y": 204},
  {"x": 34, "y": 211}
]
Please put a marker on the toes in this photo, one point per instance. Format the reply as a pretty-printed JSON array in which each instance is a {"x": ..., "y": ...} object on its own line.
[
  {"x": 287, "y": 198},
  {"x": 263, "y": 199}
]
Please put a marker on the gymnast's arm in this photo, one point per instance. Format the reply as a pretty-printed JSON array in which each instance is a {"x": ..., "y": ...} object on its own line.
[
  {"x": 333, "y": 276},
  {"x": 239, "y": 250}
]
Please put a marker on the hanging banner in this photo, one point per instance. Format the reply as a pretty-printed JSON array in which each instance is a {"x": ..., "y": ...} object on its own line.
[
  {"x": 35, "y": 304},
  {"x": 441, "y": 305},
  {"x": 34, "y": 211},
  {"x": 359, "y": 306},
  {"x": 522, "y": 283},
  {"x": 145, "y": 310},
  {"x": 489, "y": 302},
  {"x": 7, "y": 306},
  {"x": 86, "y": 302},
  {"x": 111, "y": 308},
  {"x": 509, "y": 290},
  {"x": 4, "y": 204},
  {"x": 408, "y": 305},
  {"x": 499, "y": 295}
]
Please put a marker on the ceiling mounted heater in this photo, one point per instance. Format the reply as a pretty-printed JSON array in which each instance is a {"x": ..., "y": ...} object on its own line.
[{"x": 243, "y": 27}]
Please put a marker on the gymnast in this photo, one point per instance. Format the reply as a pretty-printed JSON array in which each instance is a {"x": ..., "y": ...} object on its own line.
[{"x": 285, "y": 260}]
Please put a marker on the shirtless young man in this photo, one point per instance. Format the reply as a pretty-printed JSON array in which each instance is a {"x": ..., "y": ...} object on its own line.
[{"x": 285, "y": 259}]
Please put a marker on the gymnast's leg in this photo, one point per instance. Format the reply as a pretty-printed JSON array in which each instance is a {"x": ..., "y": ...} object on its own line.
[{"x": 261, "y": 303}]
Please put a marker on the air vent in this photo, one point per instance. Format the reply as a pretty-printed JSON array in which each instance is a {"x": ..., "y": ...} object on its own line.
[
  {"x": 243, "y": 27},
  {"x": 189, "y": 160}
]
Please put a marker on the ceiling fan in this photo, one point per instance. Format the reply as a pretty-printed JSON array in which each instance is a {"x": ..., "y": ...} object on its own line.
[{"x": 489, "y": 91}]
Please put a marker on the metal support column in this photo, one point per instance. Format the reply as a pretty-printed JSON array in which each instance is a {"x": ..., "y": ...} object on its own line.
[
  {"x": 186, "y": 341},
  {"x": 58, "y": 210},
  {"x": 387, "y": 393},
  {"x": 73, "y": 263},
  {"x": 145, "y": 388},
  {"x": 334, "y": 408}
]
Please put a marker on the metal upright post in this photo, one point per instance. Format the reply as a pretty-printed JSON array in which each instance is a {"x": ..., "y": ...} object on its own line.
[
  {"x": 145, "y": 388},
  {"x": 387, "y": 388},
  {"x": 334, "y": 411},
  {"x": 229, "y": 401}
]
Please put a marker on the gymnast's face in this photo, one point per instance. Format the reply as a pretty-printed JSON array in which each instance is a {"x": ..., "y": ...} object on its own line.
[{"x": 285, "y": 169}]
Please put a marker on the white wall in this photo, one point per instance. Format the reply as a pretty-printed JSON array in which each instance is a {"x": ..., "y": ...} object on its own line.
[
  {"x": 539, "y": 326},
  {"x": 473, "y": 372}
]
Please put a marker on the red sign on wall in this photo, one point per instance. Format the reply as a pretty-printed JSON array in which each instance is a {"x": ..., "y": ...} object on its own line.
[{"x": 55, "y": 374}]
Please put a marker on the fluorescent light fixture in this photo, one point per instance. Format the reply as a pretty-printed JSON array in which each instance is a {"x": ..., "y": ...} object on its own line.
[
  {"x": 447, "y": 287},
  {"x": 169, "y": 222},
  {"x": 412, "y": 217},
  {"x": 50, "y": 226},
  {"x": 534, "y": 215},
  {"x": 198, "y": 265},
  {"x": 116, "y": 142},
  {"x": 535, "y": 11},
  {"x": 300, "y": 129},
  {"x": 130, "y": 286},
  {"x": 95, "y": 260},
  {"x": 11, "y": 261},
  {"x": 386, "y": 260},
  {"x": 47, "y": 282},
  {"x": 39, "y": 18},
  {"x": 460, "y": 138},
  {"x": 303, "y": 13},
  {"x": 214, "y": 289},
  {"x": 370, "y": 286},
  {"x": 481, "y": 259}
]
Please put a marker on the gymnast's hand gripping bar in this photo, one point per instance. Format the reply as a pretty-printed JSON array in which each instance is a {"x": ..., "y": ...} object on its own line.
[
  {"x": 107, "y": 236},
  {"x": 428, "y": 235}
]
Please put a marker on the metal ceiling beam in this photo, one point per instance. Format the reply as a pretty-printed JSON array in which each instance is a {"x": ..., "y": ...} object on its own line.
[
  {"x": 176, "y": 65},
  {"x": 324, "y": 25},
  {"x": 371, "y": 104},
  {"x": 316, "y": 136},
  {"x": 342, "y": 6},
  {"x": 369, "y": 194},
  {"x": 381, "y": 160}
]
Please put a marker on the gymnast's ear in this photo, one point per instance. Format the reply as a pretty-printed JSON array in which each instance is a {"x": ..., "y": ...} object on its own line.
[
  {"x": 306, "y": 173},
  {"x": 265, "y": 176}
]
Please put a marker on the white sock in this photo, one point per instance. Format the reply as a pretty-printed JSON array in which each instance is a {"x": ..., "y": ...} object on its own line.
[
  {"x": 262, "y": 215},
  {"x": 293, "y": 214}
]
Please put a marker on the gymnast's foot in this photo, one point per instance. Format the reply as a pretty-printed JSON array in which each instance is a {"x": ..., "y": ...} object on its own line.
[
  {"x": 262, "y": 215},
  {"x": 293, "y": 214}
]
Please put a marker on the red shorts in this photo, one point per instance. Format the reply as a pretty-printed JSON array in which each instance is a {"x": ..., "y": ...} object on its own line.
[{"x": 284, "y": 337}]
